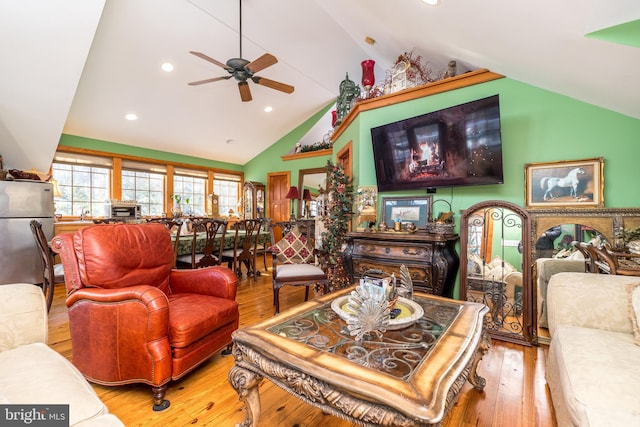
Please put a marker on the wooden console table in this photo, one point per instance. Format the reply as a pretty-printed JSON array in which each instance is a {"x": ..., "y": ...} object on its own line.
[{"x": 431, "y": 258}]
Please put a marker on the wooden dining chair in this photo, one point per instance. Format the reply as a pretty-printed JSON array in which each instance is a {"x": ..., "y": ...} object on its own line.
[
  {"x": 52, "y": 273},
  {"x": 174, "y": 225},
  {"x": 245, "y": 242},
  {"x": 620, "y": 263},
  {"x": 589, "y": 261},
  {"x": 110, "y": 221},
  {"x": 262, "y": 248},
  {"x": 207, "y": 244}
]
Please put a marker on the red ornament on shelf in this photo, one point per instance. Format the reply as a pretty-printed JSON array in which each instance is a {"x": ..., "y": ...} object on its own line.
[
  {"x": 334, "y": 118},
  {"x": 368, "y": 79}
]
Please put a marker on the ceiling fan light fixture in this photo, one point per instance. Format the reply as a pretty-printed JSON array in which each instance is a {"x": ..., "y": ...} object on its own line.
[
  {"x": 243, "y": 70},
  {"x": 167, "y": 67},
  {"x": 268, "y": 109}
]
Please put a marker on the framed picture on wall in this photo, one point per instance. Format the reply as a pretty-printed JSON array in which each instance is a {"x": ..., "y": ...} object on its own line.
[
  {"x": 416, "y": 210},
  {"x": 567, "y": 183}
]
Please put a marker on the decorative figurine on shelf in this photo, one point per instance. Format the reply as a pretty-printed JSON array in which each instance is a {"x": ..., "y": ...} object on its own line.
[
  {"x": 349, "y": 90},
  {"x": 451, "y": 70},
  {"x": 410, "y": 227}
]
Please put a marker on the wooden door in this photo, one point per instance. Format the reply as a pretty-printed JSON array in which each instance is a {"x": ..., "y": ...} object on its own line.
[{"x": 278, "y": 184}]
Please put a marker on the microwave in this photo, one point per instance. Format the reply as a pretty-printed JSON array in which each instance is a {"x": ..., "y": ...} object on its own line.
[{"x": 122, "y": 211}]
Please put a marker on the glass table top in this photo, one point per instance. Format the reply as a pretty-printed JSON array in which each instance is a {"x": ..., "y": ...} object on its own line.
[{"x": 397, "y": 353}]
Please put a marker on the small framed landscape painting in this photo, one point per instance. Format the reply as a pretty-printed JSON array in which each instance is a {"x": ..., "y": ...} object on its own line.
[{"x": 416, "y": 210}]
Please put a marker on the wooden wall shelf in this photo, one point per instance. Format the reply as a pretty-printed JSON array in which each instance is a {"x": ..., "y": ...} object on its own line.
[
  {"x": 463, "y": 80},
  {"x": 306, "y": 154}
]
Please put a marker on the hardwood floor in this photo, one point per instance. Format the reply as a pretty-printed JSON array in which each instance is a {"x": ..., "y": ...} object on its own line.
[{"x": 515, "y": 394}]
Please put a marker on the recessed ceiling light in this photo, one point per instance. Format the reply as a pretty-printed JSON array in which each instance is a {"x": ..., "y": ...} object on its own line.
[
  {"x": 131, "y": 116},
  {"x": 268, "y": 109},
  {"x": 167, "y": 66},
  {"x": 431, "y": 2}
]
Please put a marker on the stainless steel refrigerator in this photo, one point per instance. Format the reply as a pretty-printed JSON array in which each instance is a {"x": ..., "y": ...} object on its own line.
[{"x": 20, "y": 202}]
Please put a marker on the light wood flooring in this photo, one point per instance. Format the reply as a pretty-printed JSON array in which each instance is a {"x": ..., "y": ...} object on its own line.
[{"x": 515, "y": 394}]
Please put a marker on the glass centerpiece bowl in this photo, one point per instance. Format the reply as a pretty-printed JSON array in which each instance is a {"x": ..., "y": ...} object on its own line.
[{"x": 410, "y": 312}]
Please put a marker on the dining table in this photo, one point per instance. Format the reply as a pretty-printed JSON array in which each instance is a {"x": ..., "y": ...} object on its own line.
[{"x": 184, "y": 246}]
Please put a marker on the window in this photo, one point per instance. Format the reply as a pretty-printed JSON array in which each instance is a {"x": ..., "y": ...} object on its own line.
[
  {"x": 145, "y": 184},
  {"x": 190, "y": 186},
  {"x": 84, "y": 182},
  {"x": 227, "y": 188},
  {"x": 85, "y": 179}
]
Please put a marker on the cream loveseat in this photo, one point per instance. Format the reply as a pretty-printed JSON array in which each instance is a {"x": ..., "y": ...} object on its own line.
[
  {"x": 545, "y": 269},
  {"x": 593, "y": 364},
  {"x": 31, "y": 373}
]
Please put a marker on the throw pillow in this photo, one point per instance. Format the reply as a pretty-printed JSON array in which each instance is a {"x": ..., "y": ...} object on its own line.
[
  {"x": 293, "y": 248},
  {"x": 633, "y": 291}
]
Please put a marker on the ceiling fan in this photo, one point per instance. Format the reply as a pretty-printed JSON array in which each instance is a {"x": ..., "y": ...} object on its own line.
[{"x": 242, "y": 70}]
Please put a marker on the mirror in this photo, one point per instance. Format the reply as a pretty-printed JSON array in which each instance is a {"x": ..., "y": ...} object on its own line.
[
  {"x": 495, "y": 268},
  {"x": 556, "y": 241},
  {"x": 603, "y": 224},
  {"x": 313, "y": 180}
]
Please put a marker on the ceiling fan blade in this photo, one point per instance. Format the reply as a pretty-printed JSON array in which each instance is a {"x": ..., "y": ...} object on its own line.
[
  {"x": 213, "y": 61},
  {"x": 261, "y": 63},
  {"x": 215, "y": 79},
  {"x": 273, "y": 84},
  {"x": 245, "y": 92}
]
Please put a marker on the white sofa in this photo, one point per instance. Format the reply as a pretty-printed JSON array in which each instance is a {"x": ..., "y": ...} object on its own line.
[
  {"x": 593, "y": 364},
  {"x": 31, "y": 373},
  {"x": 545, "y": 269}
]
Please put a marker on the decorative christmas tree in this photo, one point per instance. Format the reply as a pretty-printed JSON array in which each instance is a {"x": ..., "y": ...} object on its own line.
[{"x": 336, "y": 222}]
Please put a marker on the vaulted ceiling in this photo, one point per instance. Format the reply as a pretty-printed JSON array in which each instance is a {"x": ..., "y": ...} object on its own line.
[{"x": 79, "y": 66}]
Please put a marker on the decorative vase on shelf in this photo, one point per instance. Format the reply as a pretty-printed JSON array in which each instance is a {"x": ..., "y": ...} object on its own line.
[
  {"x": 176, "y": 212},
  {"x": 368, "y": 78}
]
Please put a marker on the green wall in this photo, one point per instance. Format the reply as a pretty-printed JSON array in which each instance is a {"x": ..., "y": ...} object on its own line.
[
  {"x": 270, "y": 159},
  {"x": 537, "y": 126},
  {"x": 116, "y": 148}
]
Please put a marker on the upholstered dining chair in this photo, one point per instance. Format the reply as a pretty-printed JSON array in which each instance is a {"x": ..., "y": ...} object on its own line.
[
  {"x": 135, "y": 319},
  {"x": 293, "y": 260},
  {"x": 52, "y": 273},
  {"x": 174, "y": 225},
  {"x": 205, "y": 251},
  {"x": 245, "y": 243}
]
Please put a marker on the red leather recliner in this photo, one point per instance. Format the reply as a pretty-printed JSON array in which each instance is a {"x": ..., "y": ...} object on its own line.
[{"x": 134, "y": 319}]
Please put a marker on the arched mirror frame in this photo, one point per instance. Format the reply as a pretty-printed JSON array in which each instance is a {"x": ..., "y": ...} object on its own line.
[
  {"x": 306, "y": 173},
  {"x": 524, "y": 330}
]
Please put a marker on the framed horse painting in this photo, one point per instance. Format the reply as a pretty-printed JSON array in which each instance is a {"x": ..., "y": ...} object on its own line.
[{"x": 567, "y": 183}]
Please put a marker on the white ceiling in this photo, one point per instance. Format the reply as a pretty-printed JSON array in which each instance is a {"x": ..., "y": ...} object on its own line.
[{"x": 44, "y": 47}]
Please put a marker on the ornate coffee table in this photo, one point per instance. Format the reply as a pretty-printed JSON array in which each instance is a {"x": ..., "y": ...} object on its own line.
[{"x": 407, "y": 377}]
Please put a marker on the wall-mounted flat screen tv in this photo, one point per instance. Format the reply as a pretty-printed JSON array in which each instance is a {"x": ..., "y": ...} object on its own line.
[{"x": 455, "y": 146}]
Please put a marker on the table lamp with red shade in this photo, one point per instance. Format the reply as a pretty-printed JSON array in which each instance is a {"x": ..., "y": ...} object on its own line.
[{"x": 292, "y": 195}]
